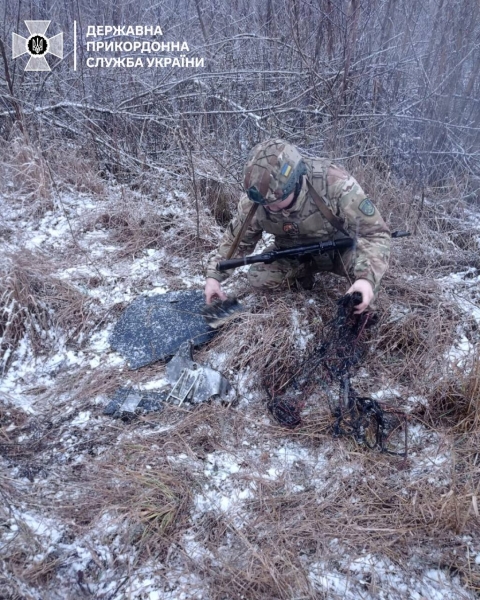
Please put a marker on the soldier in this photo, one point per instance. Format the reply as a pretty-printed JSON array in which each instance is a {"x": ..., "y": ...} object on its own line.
[{"x": 301, "y": 201}]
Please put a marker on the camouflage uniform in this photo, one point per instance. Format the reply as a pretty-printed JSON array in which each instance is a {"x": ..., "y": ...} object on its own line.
[{"x": 303, "y": 223}]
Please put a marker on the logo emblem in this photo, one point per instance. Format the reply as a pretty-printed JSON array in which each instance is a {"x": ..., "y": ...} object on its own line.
[
  {"x": 367, "y": 208},
  {"x": 37, "y": 45}
]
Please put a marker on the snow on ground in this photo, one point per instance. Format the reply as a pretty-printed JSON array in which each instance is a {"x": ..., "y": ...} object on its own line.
[
  {"x": 377, "y": 577},
  {"x": 230, "y": 478}
]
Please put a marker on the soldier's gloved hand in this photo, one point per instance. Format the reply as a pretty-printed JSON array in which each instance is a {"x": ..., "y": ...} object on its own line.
[
  {"x": 213, "y": 290},
  {"x": 365, "y": 288}
]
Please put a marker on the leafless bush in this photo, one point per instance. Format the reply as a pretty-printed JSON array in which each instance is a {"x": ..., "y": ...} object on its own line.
[
  {"x": 387, "y": 82},
  {"x": 74, "y": 167}
]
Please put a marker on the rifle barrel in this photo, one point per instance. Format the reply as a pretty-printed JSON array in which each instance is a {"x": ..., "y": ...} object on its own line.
[{"x": 319, "y": 247}]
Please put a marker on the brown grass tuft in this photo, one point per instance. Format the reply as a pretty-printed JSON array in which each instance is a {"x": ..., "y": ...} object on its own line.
[
  {"x": 152, "y": 501},
  {"x": 136, "y": 224},
  {"x": 220, "y": 198},
  {"x": 75, "y": 168},
  {"x": 276, "y": 333},
  {"x": 33, "y": 302},
  {"x": 414, "y": 333},
  {"x": 25, "y": 173},
  {"x": 455, "y": 401}
]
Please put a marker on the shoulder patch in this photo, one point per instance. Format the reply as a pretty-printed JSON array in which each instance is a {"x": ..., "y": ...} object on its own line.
[
  {"x": 291, "y": 229},
  {"x": 367, "y": 207}
]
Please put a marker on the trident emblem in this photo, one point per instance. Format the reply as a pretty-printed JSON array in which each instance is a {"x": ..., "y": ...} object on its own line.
[{"x": 37, "y": 46}]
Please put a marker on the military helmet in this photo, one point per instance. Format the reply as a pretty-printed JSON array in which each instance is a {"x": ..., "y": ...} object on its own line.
[{"x": 272, "y": 171}]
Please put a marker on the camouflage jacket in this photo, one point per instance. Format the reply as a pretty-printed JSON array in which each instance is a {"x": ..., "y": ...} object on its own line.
[{"x": 303, "y": 223}]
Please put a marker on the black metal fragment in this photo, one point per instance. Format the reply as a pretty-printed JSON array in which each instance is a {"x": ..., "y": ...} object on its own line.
[
  {"x": 220, "y": 312},
  {"x": 152, "y": 328},
  {"x": 128, "y": 402}
]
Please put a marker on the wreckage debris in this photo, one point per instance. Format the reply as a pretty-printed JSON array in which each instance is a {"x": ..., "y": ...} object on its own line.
[
  {"x": 188, "y": 381},
  {"x": 127, "y": 402},
  {"x": 331, "y": 365},
  {"x": 192, "y": 381},
  {"x": 220, "y": 312},
  {"x": 152, "y": 328}
]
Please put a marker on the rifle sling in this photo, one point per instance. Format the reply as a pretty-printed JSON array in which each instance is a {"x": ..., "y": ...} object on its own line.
[
  {"x": 335, "y": 221},
  {"x": 243, "y": 229},
  {"x": 326, "y": 212}
]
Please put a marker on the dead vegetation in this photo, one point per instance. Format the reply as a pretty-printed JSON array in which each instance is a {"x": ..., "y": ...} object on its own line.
[
  {"x": 454, "y": 401},
  {"x": 149, "y": 504},
  {"x": 25, "y": 172},
  {"x": 75, "y": 169},
  {"x": 130, "y": 496},
  {"x": 220, "y": 198},
  {"x": 169, "y": 224},
  {"x": 35, "y": 304},
  {"x": 30, "y": 177},
  {"x": 278, "y": 330}
]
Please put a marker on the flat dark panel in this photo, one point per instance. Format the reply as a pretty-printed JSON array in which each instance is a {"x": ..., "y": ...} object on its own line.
[{"x": 152, "y": 328}]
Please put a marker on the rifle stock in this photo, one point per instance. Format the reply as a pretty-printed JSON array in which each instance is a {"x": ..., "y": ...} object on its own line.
[{"x": 318, "y": 248}]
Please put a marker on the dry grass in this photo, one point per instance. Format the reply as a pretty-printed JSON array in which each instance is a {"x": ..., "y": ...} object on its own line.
[
  {"x": 29, "y": 177},
  {"x": 150, "y": 504},
  {"x": 144, "y": 507},
  {"x": 454, "y": 402},
  {"x": 132, "y": 225},
  {"x": 379, "y": 505},
  {"x": 25, "y": 172},
  {"x": 271, "y": 337},
  {"x": 359, "y": 502},
  {"x": 35, "y": 303},
  {"x": 136, "y": 223},
  {"x": 414, "y": 333},
  {"x": 407, "y": 346},
  {"x": 75, "y": 169},
  {"x": 220, "y": 198},
  {"x": 375, "y": 511}
]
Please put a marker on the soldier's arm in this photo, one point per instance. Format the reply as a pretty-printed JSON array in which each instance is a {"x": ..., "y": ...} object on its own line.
[
  {"x": 247, "y": 244},
  {"x": 362, "y": 221}
]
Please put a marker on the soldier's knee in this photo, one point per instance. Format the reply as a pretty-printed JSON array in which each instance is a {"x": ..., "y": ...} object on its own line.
[
  {"x": 254, "y": 281},
  {"x": 262, "y": 279}
]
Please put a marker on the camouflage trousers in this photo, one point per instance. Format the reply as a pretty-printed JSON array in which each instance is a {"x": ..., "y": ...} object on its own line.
[{"x": 290, "y": 270}]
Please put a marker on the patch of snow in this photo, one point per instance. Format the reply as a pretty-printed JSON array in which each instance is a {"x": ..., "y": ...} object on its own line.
[
  {"x": 81, "y": 419},
  {"x": 300, "y": 331},
  {"x": 386, "y": 394},
  {"x": 458, "y": 354}
]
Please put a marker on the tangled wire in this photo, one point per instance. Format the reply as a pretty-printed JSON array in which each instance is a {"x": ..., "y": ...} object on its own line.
[{"x": 331, "y": 365}]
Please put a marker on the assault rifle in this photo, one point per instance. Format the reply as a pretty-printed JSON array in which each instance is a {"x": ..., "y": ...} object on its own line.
[{"x": 318, "y": 248}]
